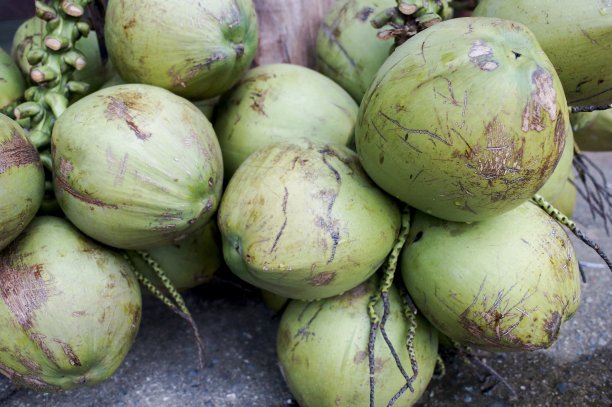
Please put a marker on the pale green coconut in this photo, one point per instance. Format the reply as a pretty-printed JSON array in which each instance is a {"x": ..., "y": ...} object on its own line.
[
  {"x": 196, "y": 49},
  {"x": 281, "y": 102},
  {"x": 22, "y": 180},
  {"x": 301, "y": 219},
  {"x": 503, "y": 284},
  {"x": 12, "y": 84},
  {"x": 347, "y": 48},
  {"x": 596, "y": 133},
  {"x": 136, "y": 166},
  {"x": 322, "y": 347},
  {"x": 565, "y": 202},
  {"x": 464, "y": 121},
  {"x": 576, "y": 36},
  {"x": 188, "y": 263},
  {"x": 69, "y": 308}
]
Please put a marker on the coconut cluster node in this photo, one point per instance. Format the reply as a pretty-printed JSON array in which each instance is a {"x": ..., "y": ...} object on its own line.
[{"x": 380, "y": 200}]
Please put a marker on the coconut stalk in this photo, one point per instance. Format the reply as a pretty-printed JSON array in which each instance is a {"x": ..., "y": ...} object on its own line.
[
  {"x": 288, "y": 30},
  {"x": 52, "y": 67},
  {"x": 409, "y": 18}
]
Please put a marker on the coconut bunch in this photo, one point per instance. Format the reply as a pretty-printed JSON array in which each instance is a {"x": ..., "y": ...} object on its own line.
[{"x": 417, "y": 185}]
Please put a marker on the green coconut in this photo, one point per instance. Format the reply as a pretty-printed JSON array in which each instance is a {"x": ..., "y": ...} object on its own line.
[
  {"x": 12, "y": 84},
  {"x": 566, "y": 199},
  {"x": 69, "y": 308},
  {"x": 347, "y": 48},
  {"x": 576, "y": 36},
  {"x": 30, "y": 35},
  {"x": 301, "y": 219},
  {"x": 502, "y": 284},
  {"x": 136, "y": 167},
  {"x": 322, "y": 347},
  {"x": 464, "y": 121},
  {"x": 195, "y": 49},
  {"x": 187, "y": 263},
  {"x": 279, "y": 102},
  {"x": 22, "y": 180},
  {"x": 206, "y": 106},
  {"x": 594, "y": 131}
]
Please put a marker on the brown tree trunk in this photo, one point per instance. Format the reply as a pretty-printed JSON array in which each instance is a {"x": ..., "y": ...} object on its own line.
[{"x": 288, "y": 30}]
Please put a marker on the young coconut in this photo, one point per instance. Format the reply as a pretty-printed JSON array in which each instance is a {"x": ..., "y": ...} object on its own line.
[
  {"x": 69, "y": 308},
  {"x": 347, "y": 48},
  {"x": 322, "y": 347},
  {"x": 576, "y": 36},
  {"x": 302, "y": 219},
  {"x": 465, "y": 120},
  {"x": 278, "y": 102},
  {"x": 503, "y": 284},
  {"x": 187, "y": 263},
  {"x": 136, "y": 166},
  {"x": 22, "y": 180},
  {"x": 12, "y": 85},
  {"x": 596, "y": 134},
  {"x": 195, "y": 49}
]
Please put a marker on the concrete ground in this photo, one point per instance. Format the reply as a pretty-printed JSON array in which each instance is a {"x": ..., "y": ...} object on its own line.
[{"x": 239, "y": 332}]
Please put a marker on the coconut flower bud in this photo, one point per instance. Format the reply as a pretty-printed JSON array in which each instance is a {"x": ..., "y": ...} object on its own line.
[
  {"x": 72, "y": 9},
  {"x": 75, "y": 58},
  {"x": 36, "y": 55},
  {"x": 45, "y": 11},
  {"x": 56, "y": 42},
  {"x": 27, "y": 109},
  {"x": 43, "y": 73},
  {"x": 77, "y": 87}
]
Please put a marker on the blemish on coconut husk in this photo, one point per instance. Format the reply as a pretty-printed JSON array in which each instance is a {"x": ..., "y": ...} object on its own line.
[
  {"x": 21, "y": 287},
  {"x": 73, "y": 359},
  {"x": 39, "y": 339},
  {"x": 552, "y": 326},
  {"x": 499, "y": 157},
  {"x": 65, "y": 167},
  {"x": 28, "y": 363},
  {"x": 258, "y": 98},
  {"x": 560, "y": 134},
  {"x": 119, "y": 108},
  {"x": 61, "y": 183},
  {"x": 29, "y": 380},
  {"x": 543, "y": 96},
  {"x": 481, "y": 55},
  {"x": 282, "y": 229},
  {"x": 323, "y": 278},
  {"x": 17, "y": 152}
]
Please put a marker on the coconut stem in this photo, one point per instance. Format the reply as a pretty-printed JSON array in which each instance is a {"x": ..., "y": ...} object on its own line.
[
  {"x": 440, "y": 369},
  {"x": 594, "y": 189},
  {"x": 408, "y": 18},
  {"x": 383, "y": 292},
  {"x": 581, "y": 109},
  {"x": 469, "y": 358},
  {"x": 177, "y": 306},
  {"x": 56, "y": 61},
  {"x": 571, "y": 225}
]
